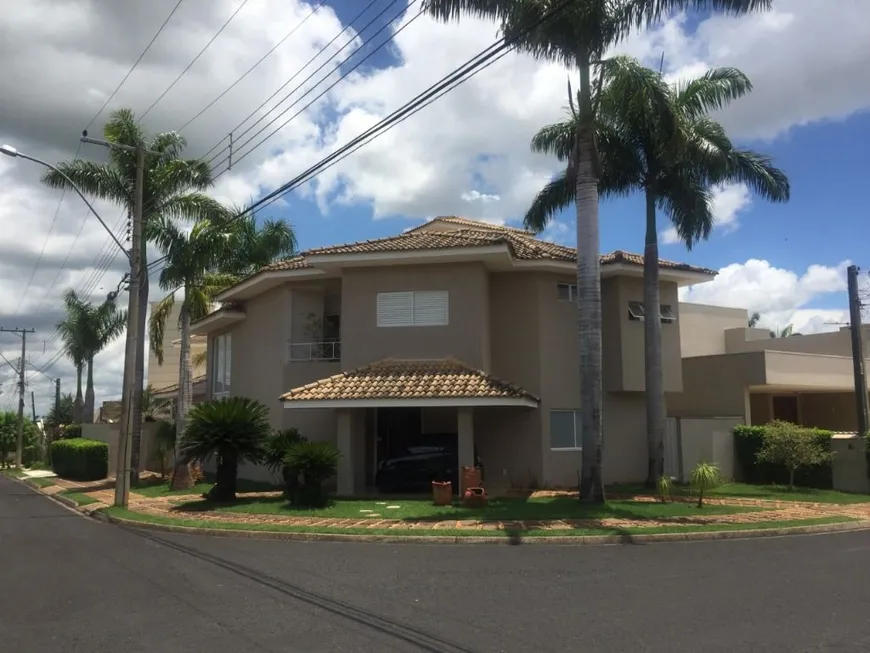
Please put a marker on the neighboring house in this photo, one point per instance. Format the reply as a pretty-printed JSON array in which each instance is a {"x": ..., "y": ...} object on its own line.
[
  {"x": 729, "y": 369},
  {"x": 456, "y": 328},
  {"x": 163, "y": 379}
]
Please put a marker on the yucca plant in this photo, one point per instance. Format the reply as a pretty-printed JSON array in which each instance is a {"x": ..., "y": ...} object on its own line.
[
  {"x": 235, "y": 430},
  {"x": 664, "y": 486},
  {"x": 705, "y": 477},
  {"x": 277, "y": 448},
  {"x": 314, "y": 462}
]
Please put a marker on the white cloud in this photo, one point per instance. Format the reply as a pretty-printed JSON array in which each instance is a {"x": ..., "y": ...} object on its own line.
[
  {"x": 780, "y": 296},
  {"x": 467, "y": 154}
]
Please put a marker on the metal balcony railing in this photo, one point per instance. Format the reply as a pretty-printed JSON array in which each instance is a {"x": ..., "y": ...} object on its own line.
[{"x": 314, "y": 351}]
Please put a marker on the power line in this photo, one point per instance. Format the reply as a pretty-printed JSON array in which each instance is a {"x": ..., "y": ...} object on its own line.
[
  {"x": 130, "y": 72},
  {"x": 326, "y": 90},
  {"x": 285, "y": 84},
  {"x": 252, "y": 68},
  {"x": 193, "y": 61},
  {"x": 481, "y": 61}
]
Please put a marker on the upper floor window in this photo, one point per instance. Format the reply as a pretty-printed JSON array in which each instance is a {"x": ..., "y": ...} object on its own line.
[
  {"x": 221, "y": 363},
  {"x": 637, "y": 312},
  {"x": 567, "y": 291},
  {"x": 417, "y": 308}
]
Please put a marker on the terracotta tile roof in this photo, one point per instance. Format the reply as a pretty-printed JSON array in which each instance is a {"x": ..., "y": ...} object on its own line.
[
  {"x": 468, "y": 222},
  {"x": 409, "y": 379},
  {"x": 522, "y": 245}
]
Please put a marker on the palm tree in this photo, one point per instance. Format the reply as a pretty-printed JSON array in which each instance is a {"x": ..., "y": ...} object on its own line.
[
  {"x": 172, "y": 189},
  {"x": 658, "y": 139},
  {"x": 753, "y": 320},
  {"x": 579, "y": 37},
  {"x": 785, "y": 332},
  {"x": 71, "y": 332},
  {"x": 194, "y": 264},
  {"x": 65, "y": 415}
]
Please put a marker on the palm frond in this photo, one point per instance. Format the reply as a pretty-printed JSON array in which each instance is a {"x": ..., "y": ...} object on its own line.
[
  {"x": 157, "y": 325},
  {"x": 553, "y": 198},
  {"x": 557, "y": 139},
  {"x": 688, "y": 201},
  {"x": 712, "y": 91},
  {"x": 104, "y": 182}
]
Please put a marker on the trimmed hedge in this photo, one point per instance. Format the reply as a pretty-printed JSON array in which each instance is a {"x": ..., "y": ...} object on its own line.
[
  {"x": 71, "y": 431},
  {"x": 79, "y": 459},
  {"x": 747, "y": 443}
]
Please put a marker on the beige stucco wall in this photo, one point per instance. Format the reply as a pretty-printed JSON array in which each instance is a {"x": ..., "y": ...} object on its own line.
[
  {"x": 836, "y": 343},
  {"x": 702, "y": 327},
  {"x": 465, "y": 337},
  {"x": 717, "y": 386},
  {"x": 630, "y": 289},
  {"x": 850, "y": 464},
  {"x": 108, "y": 433},
  {"x": 707, "y": 440}
]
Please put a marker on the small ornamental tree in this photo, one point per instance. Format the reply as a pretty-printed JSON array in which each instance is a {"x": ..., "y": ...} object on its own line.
[{"x": 793, "y": 447}]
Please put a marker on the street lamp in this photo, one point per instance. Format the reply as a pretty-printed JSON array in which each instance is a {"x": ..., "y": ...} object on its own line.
[{"x": 10, "y": 151}]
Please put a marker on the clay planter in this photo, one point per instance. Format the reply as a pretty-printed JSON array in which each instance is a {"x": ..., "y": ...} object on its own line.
[
  {"x": 474, "y": 497},
  {"x": 442, "y": 493},
  {"x": 470, "y": 478}
]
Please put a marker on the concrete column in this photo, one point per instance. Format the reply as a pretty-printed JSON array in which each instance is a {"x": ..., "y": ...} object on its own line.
[
  {"x": 346, "y": 464},
  {"x": 465, "y": 436}
]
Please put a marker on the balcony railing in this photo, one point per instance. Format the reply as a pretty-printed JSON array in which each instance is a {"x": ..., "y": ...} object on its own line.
[{"x": 314, "y": 351}]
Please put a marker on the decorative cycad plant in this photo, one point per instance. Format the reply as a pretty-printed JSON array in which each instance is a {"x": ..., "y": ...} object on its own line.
[
  {"x": 277, "y": 448},
  {"x": 664, "y": 486},
  {"x": 705, "y": 477},
  {"x": 314, "y": 462},
  {"x": 232, "y": 429}
]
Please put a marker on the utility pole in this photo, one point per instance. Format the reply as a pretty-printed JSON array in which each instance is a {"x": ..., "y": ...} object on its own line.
[
  {"x": 861, "y": 403},
  {"x": 19, "y": 445},
  {"x": 33, "y": 405},
  {"x": 134, "y": 338},
  {"x": 57, "y": 402}
]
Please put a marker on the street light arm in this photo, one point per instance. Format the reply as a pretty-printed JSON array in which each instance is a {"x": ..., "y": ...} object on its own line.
[{"x": 80, "y": 194}]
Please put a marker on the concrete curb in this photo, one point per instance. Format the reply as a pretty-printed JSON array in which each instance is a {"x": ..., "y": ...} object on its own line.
[
  {"x": 599, "y": 540},
  {"x": 64, "y": 501}
]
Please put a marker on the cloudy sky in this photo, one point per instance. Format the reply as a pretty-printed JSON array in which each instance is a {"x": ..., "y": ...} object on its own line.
[{"x": 467, "y": 154}]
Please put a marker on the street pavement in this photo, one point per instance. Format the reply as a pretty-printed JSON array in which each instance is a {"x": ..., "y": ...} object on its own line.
[{"x": 71, "y": 584}]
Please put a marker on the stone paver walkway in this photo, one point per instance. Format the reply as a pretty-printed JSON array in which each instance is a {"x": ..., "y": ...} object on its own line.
[{"x": 165, "y": 506}]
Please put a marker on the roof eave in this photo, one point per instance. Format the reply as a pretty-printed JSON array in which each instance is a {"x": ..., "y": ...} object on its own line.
[
  {"x": 263, "y": 281},
  {"x": 220, "y": 319},
  {"x": 451, "y": 402}
]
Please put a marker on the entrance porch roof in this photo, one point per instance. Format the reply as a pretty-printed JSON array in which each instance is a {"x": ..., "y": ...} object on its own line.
[{"x": 395, "y": 383}]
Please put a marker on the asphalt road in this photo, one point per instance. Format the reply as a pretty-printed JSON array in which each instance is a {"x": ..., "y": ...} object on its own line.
[{"x": 71, "y": 584}]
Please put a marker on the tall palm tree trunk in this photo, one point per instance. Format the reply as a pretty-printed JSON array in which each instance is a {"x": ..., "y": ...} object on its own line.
[
  {"x": 88, "y": 416},
  {"x": 589, "y": 299},
  {"x": 139, "y": 371},
  {"x": 652, "y": 331},
  {"x": 181, "y": 477},
  {"x": 78, "y": 405}
]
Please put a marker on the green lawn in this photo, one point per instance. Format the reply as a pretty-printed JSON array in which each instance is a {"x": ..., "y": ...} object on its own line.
[
  {"x": 11, "y": 471},
  {"x": 506, "y": 509},
  {"x": 78, "y": 497},
  {"x": 160, "y": 488},
  {"x": 573, "y": 532},
  {"x": 41, "y": 482},
  {"x": 773, "y": 492}
]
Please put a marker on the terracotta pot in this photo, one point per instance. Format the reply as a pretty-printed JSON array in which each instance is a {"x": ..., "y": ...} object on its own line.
[
  {"x": 470, "y": 478},
  {"x": 442, "y": 493},
  {"x": 474, "y": 497}
]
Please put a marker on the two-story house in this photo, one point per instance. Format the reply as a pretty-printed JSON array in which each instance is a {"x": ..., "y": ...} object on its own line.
[
  {"x": 163, "y": 379},
  {"x": 455, "y": 328}
]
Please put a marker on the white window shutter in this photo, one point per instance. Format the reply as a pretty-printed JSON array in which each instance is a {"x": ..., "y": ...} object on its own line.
[
  {"x": 395, "y": 309},
  {"x": 430, "y": 308}
]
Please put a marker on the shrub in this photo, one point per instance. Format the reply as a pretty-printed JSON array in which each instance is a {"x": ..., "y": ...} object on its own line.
[
  {"x": 793, "y": 447},
  {"x": 71, "y": 431},
  {"x": 31, "y": 451},
  {"x": 314, "y": 462},
  {"x": 80, "y": 459},
  {"x": 164, "y": 444},
  {"x": 705, "y": 477},
  {"x": 664, "y": 486},
  {"x": 748, "y": 441},
  {"x": 277, "y": 448},
  {"x": 234, "y": 430}
]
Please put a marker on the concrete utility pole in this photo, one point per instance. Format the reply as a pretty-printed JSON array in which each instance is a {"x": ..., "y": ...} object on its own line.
[
  {"x": 33, "y": 405},
  {"x": 134, "y": 338},
  {"x": 861, "y": 402},
  {"x": 19, "y": 444}
]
